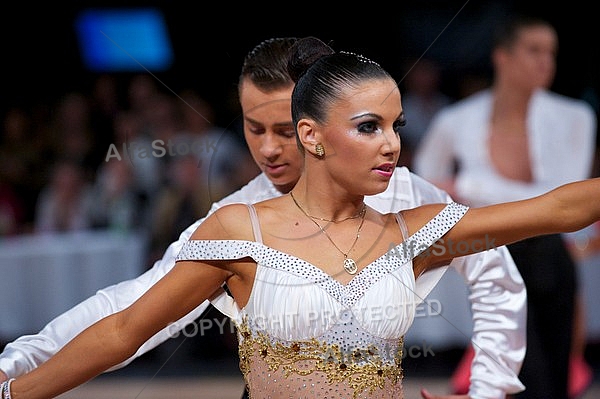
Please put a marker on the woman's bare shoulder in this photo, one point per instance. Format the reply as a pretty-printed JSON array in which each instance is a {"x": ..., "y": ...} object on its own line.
[
  {"x": 416, "y": 218},
  {"x": 230, "y": 222}
]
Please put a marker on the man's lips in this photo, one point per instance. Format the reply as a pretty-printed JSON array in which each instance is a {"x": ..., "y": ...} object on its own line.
[{"x": 274, "y": 168}]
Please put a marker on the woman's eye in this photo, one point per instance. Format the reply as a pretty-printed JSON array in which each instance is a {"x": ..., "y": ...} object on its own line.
[
  {"x": 367, "y": 127},
  {"x": 398, "y": 125}
]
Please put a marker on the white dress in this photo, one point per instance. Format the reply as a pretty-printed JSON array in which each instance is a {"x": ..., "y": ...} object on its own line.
[{"x": 303, "y": 334}]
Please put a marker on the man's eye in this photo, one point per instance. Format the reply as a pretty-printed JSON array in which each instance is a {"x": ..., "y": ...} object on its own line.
[
  {"x": 288, "y": 133},
  {"x": 256, "y": 129}
]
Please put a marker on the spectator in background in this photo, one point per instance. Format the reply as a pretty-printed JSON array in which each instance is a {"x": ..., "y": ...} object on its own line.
[
  {"x": 221, "y": 157},
  {"x": 20, "y": 159},
  {"x": 116, "y": 203},
  {"x": 162, "y": 120},
  {"x": 422, "y": 98},
  {"x": 205, "y": 162},
  {"x": 183, "y": 199},
  {"x": 71, "y": 134},
  {"x": 134, "y": 147},
  {"x": 65, "y": 203},
  {"x": 142, "y": 92},
  {"x": 12, "y": 212},
  {"x": 149, "y": 115},
  {"x": 512, "y": 141},
  {"x": 104, "y": 107}
]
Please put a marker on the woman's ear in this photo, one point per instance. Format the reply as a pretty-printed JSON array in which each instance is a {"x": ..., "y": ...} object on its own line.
[{"x": 309, "y": 136}]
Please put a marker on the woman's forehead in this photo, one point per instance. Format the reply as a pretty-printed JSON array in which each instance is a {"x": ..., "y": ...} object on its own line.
[{"x": 372, "y": 93}]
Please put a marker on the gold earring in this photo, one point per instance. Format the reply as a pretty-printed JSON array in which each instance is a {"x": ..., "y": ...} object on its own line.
[{"x": 319, "y": 150}]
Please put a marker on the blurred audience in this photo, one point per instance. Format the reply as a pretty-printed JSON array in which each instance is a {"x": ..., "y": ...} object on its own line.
[
  {"x": 117, "y": 205},
  {"x": 104, "y": 107},
  {"x": 12, "y": 212},
  {"x": 221, "y": 156},
  {"x": 142, "y": 91},
  {"x": 133, "y": 146},
  {"x": 422, "y": 98},
  {"x": 20, "y": 162},
  {"x": 70, "y": 134},
  {"x": 121, "y": 152},
  {"x": 65, "y": 203},
  {"x": 183, "y": 199}
]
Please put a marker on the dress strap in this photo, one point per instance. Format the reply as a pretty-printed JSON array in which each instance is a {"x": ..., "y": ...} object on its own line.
[
  {"x": 255, "y": 223},
  {"x": 402, "y": 224}
]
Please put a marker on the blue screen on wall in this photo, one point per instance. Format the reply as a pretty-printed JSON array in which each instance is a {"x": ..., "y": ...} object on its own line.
[{"x": 132, "y": 39}]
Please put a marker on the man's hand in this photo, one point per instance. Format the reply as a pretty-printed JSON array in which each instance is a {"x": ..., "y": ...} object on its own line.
[{"x": 426, "y": 395}]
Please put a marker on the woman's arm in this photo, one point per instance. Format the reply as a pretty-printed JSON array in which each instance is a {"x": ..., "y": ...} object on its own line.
[
  {"x": 567, "y": 208},
  {"x": 117, "y": 337},
  {"x": 29, "y": 351}
]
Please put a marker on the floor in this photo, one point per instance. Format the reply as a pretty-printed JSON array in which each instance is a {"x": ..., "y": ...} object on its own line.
[{"x": 220, "y": 388}]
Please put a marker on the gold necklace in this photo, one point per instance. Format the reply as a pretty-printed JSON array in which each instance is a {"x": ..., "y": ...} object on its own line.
[
  {"x": 357, "y": 215},
  {"x": 350, "y": 265}
]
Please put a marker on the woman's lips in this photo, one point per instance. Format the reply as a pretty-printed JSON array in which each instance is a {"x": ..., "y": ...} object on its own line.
[{"x": 385, "y": 170}]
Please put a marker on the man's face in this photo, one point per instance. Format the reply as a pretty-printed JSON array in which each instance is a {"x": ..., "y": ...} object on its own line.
[
  {"x": 270, "y": 135},
  {"x": 532, "y": 59}
]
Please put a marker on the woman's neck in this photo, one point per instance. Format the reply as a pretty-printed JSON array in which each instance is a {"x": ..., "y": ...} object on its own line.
[{"x": 325, "y": 202}]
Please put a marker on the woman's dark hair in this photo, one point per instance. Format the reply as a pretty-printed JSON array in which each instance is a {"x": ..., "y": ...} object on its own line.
[{"x": 321, "y": 74}]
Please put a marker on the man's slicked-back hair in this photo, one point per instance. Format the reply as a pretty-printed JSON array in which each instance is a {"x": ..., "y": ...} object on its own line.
[
  {"x": 507, "y": 32},
  {"x": 266, "y": 64}
]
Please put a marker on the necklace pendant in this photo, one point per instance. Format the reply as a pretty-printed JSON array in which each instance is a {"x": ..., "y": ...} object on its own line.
[{"x": 350, "y": 266}]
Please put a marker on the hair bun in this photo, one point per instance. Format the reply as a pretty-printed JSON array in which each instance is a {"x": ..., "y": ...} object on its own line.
[{"x": 304, "y": 53}]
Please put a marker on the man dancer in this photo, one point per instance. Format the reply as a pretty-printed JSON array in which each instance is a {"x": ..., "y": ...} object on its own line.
[{"x": 512, "y": 141}]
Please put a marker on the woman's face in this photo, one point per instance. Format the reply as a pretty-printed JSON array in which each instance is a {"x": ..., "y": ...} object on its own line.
[{"x": 361, "y": 136}]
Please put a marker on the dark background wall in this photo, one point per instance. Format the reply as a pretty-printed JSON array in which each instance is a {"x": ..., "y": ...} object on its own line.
[{"x": 41, "y": 58}]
